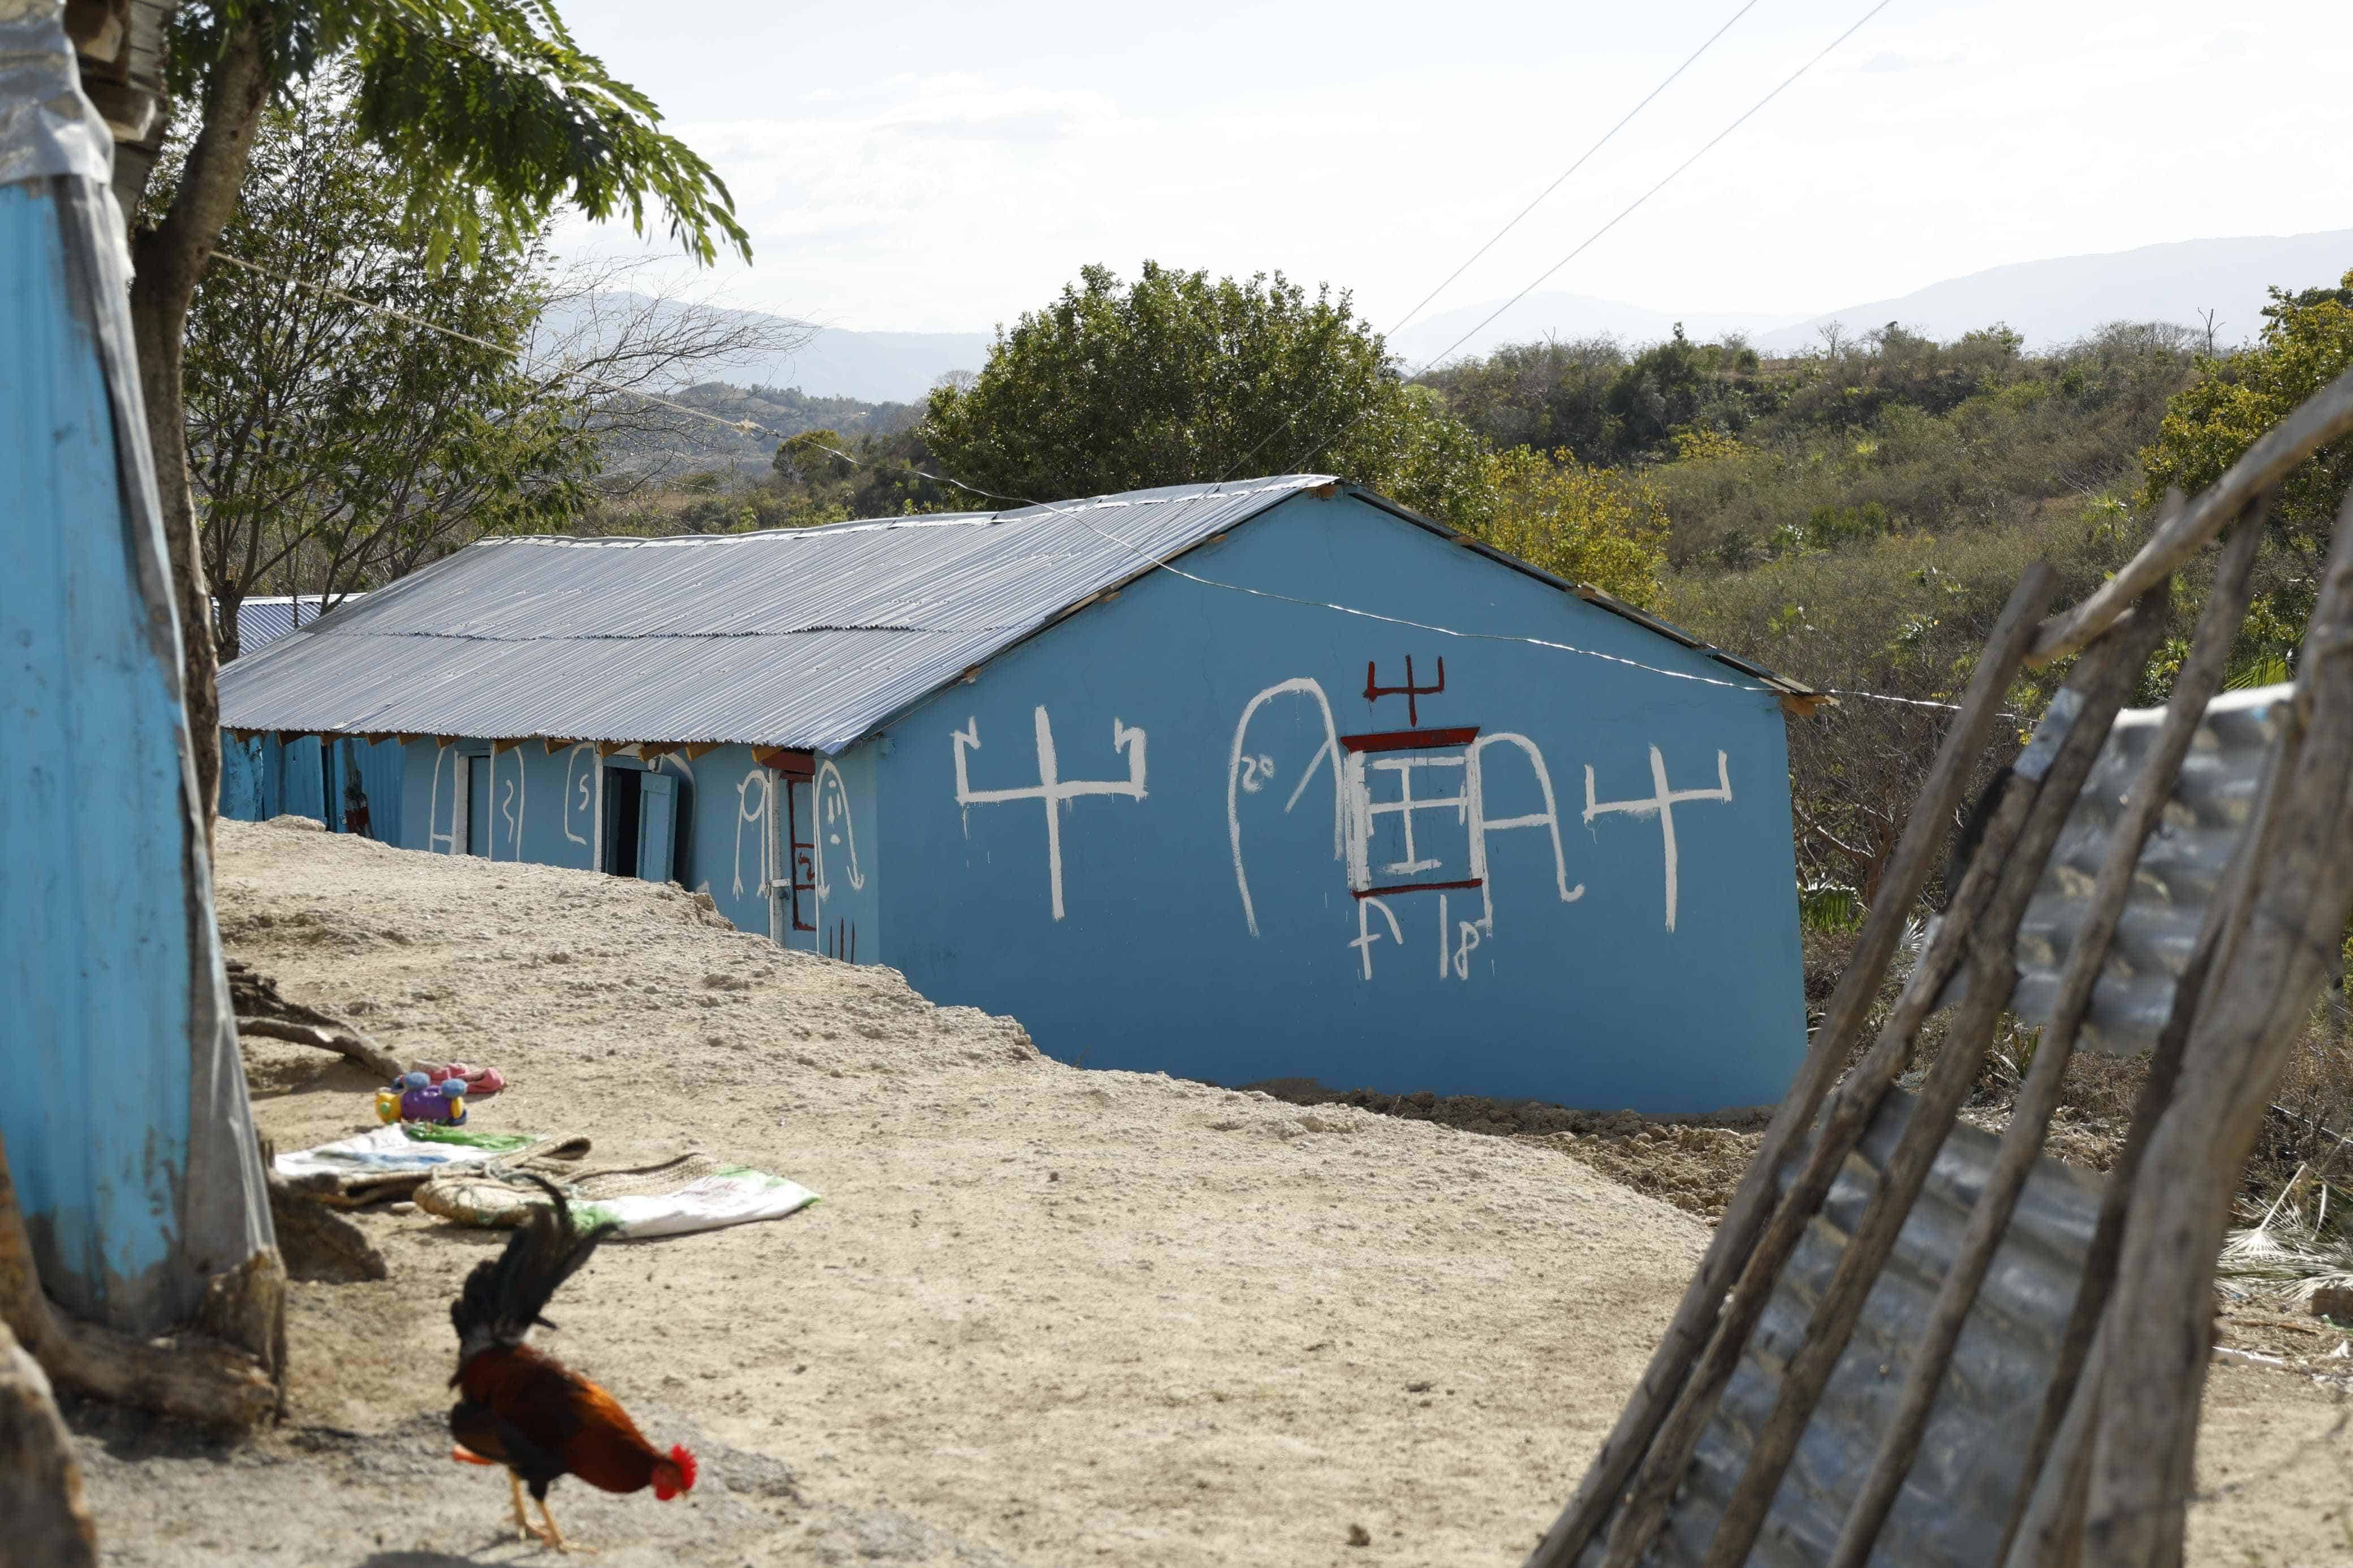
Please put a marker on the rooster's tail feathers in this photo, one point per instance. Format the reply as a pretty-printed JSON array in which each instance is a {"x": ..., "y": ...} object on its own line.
[{"x": 504, "y": 1296}]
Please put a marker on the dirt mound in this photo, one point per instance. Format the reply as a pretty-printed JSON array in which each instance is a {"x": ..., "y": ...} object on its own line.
[
  {"x": 1694, "y": 1161},
  {"x": 1697, "y": 1169}
]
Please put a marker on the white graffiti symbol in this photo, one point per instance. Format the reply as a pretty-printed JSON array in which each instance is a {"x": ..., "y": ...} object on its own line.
[
  {"x": 433, "y": 834},
  {"x": 580, "y": 797},
  {"x": 755, "y": 801},
  {"x": 831, "y": 795},
  {"x": 510, "y": 805},
  {"x": 1662, "y": 802},
  {"x": 1356, "y": 815},
  {"x": 1366, "y": 935},
  {"x": 1237, "y": 766},
  {"x": 1051, "y": 789}
]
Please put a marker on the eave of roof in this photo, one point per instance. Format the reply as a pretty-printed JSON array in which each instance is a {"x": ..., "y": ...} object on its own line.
[{"x": 879, "y": 628}]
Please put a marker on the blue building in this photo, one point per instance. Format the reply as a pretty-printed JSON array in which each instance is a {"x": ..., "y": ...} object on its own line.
[
  {"x": 128, "y": 1140},
  {"x": 1274, "y": 779}
]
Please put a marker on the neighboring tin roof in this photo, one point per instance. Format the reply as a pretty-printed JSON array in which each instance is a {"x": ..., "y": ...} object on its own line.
[
  {"x": 1951, "y": 1510},
  {"x": 265, "y": 617},
  {"x": 801, "y": 637}
]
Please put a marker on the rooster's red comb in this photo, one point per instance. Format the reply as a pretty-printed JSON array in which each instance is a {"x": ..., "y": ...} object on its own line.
[{"x": 684, "y": 1462}]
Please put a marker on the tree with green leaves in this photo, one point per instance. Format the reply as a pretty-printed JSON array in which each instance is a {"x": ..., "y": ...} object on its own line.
[
  {"x": 1178, "y": 379},
  {"x": 490, "y": 112},
  {"x": 347, "y": 414},
  {"x": 1605, "y": 527},
  {"x": 2306, "y": 343}
]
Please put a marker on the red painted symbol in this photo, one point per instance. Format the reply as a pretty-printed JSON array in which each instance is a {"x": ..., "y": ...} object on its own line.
[{"x": 1375, "y": 691}]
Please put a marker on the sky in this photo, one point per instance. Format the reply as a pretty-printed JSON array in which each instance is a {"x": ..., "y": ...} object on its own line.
[{"x": 945, "y": 167}]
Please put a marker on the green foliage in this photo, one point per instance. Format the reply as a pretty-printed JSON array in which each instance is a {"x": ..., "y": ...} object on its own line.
[
  {"x": 1598, "y": 526},
  {"x": 489, "y": 113},
  {"x": 334, "y": 445},
  {"x": 1178, "y": 379},
  {"x": 813, "y": 456},
  {"x": 1601, "y": 403},
  {"x": 785, "y": 410},
  {"x": 1903, "y": 614},
  {"x": 2306, "y": 342},
  {"x": 1872, "y": 435},
  {"x": 1828, "y": 906}
]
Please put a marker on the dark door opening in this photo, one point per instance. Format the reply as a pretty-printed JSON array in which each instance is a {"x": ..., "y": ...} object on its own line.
[{"x": 624, "y": 790}]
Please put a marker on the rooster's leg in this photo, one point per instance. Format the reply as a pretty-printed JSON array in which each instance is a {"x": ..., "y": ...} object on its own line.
[
  {"x": 523, "y": 1531},
  {"x": 552, "y": 1536}
]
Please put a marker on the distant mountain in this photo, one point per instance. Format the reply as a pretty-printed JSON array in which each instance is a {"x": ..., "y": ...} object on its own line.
[
  {"x": 1565, "y": 316},
  {"x": 2051, "y": 303},
  {"x": 2058, "y": 300},
  {"x": 871, "y": 367},
  {"x": 683, "y": 446},
  {"x": 868, "y": 367}
]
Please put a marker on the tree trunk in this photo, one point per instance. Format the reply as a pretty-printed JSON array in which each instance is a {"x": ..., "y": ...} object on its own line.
[
  {"x": 40, "y": 1485},
  {"x": 226, "y": 645},
  {"x": 169, "y": 260},
  {"x": 190, "y": 1375}
]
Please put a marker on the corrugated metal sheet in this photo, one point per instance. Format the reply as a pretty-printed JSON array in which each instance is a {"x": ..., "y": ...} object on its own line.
[
  {"x": 803, "y": 637},
  {"x": 1952, "y": 1508},
  {"x": 2180, "y": 867},
  {"x": 263, "y": 619}
]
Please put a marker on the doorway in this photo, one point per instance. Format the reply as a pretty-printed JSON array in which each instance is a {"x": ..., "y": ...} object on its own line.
[{"x": 624, "y": 807}]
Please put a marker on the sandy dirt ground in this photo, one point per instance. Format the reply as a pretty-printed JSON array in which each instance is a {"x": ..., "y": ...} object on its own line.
[{"x": 1041, "y": 1316}]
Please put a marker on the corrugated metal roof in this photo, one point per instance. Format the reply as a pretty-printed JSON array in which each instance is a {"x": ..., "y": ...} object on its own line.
[
  {"x": 2180, "y": 866},
  {"x": 802, "y": 637},
  {"x": 1952, "y": 1507},
  {"x": 264, "y": 618}
]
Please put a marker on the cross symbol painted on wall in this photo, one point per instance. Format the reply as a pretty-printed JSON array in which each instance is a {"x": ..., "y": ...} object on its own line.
[
  {"x": 1051, "y": 789},
  {"x": 1660, "y": 803}
]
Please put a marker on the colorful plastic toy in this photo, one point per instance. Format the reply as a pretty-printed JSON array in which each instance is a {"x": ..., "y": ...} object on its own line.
[{"x": 414, "y": 1097}]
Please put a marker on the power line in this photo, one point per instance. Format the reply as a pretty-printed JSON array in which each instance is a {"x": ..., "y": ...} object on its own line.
[
  {"x": 1626, "y": 212},
  {"x": 1541, "y": 198},
  {"x": 1582, "y": 158},
  {"x": 1151, "y": 562},
  {"x": 742, "y": 427}
]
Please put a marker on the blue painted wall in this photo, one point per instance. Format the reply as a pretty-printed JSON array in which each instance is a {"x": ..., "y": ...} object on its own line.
[
  {"x": 544, "y": 809},
  {"x": 246, "y": 792},
  {"x": 1153, "y": 964},
  {"x": 264, "y": 777},
  {"x": 97, "y": 944},
  {"x": 1506, "y": 989}
]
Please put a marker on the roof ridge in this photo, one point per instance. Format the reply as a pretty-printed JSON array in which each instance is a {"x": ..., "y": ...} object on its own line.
[{"x": 1033, "y": 512}]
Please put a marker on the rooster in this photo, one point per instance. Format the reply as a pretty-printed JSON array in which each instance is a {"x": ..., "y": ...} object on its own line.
[{"x": 524, "y": 1409}]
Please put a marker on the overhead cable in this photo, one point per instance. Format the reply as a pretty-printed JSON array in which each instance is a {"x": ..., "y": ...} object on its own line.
[{"x": 1622, "y": 215}]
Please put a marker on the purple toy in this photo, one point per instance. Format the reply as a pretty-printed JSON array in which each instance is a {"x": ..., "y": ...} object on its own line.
[{"x": 414, "y": 1097}]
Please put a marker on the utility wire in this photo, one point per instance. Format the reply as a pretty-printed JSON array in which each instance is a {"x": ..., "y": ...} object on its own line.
[
  {"x": 1151, "y": 562},
  {"x": 1623, "y": 214},
  {"x": 1582, "y": 158},
  {"x": 1541, "y": 198},
  {"x": 744, "y": 426}
]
